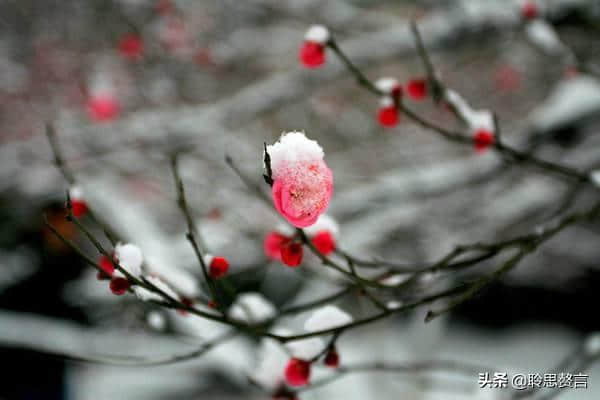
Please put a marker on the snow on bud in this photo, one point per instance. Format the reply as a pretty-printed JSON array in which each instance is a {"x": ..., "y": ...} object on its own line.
[
  {"x": 323, "y": 234},
  {"x": 595, "y": 177},
  {"x": 332, "y": 358},
  {"x": 327, "y": 317},
  {"x": 148, "y": 295},
  {"x": 129, "y": 256},
  {"x": 251, "y": 308},
  {"x": 302, "y": 181},
  {"x": 291, "y": 253},
  {"x": 131, "y": 46},
  {"x": 78, "y": 205},
  {"x": 387, "y": 114},
  {"x": 312, "y": 51},
  {"x": 543, "y": 35},
  {"x": 217, "y": 266},
  {"x": 591, "y": 345},
  {"x": 390, "y": 87},
  {"x": 297, "y": 372},
  {"x": 305, "y": 349},
  {"x": 417, "y": 89}
]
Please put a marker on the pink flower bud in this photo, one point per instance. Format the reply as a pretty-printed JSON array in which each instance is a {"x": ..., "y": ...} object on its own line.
[
  {"x": 483, "y": 139},
  {"x": 297, "y": 372},
  {"x": 131, "y": 46},
  {"x": 103, "y": 107},
  {"x": 291, "y": 254},
  {"x": 218, "y": 267},
  {"x": 302, "y": 181},
  {"x": 324, "y": 242},
  {"x": 417, "y": 89}
]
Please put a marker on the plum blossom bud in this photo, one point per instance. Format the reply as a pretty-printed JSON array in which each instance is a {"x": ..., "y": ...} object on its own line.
[
  {"x": 107, "y": 267},
  {"x": 103, "y": 107},
  {"x": 312, "y": 51},
  {"x": 78, "y": 205},
  {"x": 387, "y": 114},
  {"x": 302, "y": 181},
  {"x": 217, "y": 266},
  {"x": 297, "y": 372},
  {"x": 332, "y": 358},
  {"x": 251, "y": 308},
  {"x": 273, "y": 243},
  {"x": 483, "y": 139},
  {"x": 292, "y": 253},
  {"x": 417, "y": 89},
  {"x": 327, "y": 317},
  {"x": 530, "y": 10},
  {"x": 323, "y": 234},
  {"x": 119, "y": 286},
  {"x": 131, "y": 46},
  {"x": 148, "y": 295}
]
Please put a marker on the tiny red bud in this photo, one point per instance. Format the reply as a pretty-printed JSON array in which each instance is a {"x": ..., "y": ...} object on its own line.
[
  {"x": 530, "y": 10},
  {"x": 312, "y": 54},
  {"x": 273, "y": 243},
  {"x": 119, "y": 286},
  {"x": 417, "y": 89},
  {"x": 291, "y": 254},
  {"x": 482, "y": 140},
  {"x": 388, "y": 116},
  {"x": 131, "y": 46},
  {"x": 107, "y": 268},
  {"x": 332, "y": 358},
  {"x": 78, "y": 207},
  {"x": 324, "y": 242},
  {"x": 103, "y": 108},
  {"x": 218, "y": 267},
  {"x": 297, "y": 372}
]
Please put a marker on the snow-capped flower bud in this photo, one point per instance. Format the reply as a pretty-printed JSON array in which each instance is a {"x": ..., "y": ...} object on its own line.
[
  {"x": 483, "y": 139},
  {"x": 131, "y": 46},
  {"x": 291, "y": 253},
  {"x": 129, "y": 257},
  {"x": 530, "y": 10},
  {"x": 312, "y": 51},
  {"x": 251, "y": 308},
  {"x": 332, "y": 358},
  {"x": 273, "y": 243},
  {"x": 390, "y": 87},
  {"x": 297, "y": 372},
  {"x": 302, "y": 181},
  {"x": 417, "y": 88},
  {"x": 387, "y": 114},
  {"x": 323, "y": 234},
  {"x": 78, "y": 205},
  {"x": 148, "y": 295},
  {"x": 103, "y": 107},
  {"x": 327, "y": 317},
  {"x": 107, "y": 267}
]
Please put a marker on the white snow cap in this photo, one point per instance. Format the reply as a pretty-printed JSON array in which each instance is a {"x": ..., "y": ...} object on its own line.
[
  {"x": 147, "y": 295},
  {"x": 394, "y": 280},
  {"x": 252, "y": 308},
  {"x": 305, "y": 349},
  {"x": 477, "y": 119},
  {"x": 592, "y": 344},
  {"x": 317, "y": 33},
  {"x": 595, "y": 177},
  {"x": 544, "y": 36},
  {"x": 327, "y": 317},
  {"x": 393, "y": 304},
  {"x": 386, "y": 102},
  {"x": 387, "y": 84},
  {"x": 129, "y": 257},
  {"x": 208, "y": 259},
  {"x": 293, "y": 147},
  {"x": 324, "y": 223},
  {"x": 76, "y": 192}
]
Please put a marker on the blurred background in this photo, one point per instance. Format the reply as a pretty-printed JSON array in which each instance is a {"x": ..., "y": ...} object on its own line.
[{"x": 126, "y": 82}]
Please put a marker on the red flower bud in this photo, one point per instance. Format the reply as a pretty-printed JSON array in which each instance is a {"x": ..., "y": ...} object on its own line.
[
  {"x": 297, "y": 372},
  {"x": 312, "y": 54},
  {"x": 78, "y": 207},
  {"x": 388, "y": 116},
  {"x": 530, "y": 10},
  {"x": 324, "y": 242},
  {"x": 273, "y": 243},
  {"x": 291, "y": 254},
  {"x": 332, "y": 358},
  {"x": 119, "y": 286},
  {"x": 107, "y": 268},
  {"x": 131, "y": 46},
  {"x": 482, "y": 140},
  {"x": 417, "y": 89},
  {"x": 218, "y": 267}
]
